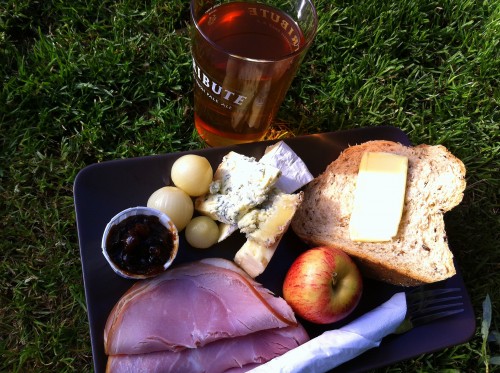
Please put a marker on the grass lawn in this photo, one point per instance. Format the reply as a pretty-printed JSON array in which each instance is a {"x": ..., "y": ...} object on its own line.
[{"x": 90, "y": 81}]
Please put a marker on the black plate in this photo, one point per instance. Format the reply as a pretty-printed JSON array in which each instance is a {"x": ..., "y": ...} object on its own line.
[{"x": 102, "y": 190}]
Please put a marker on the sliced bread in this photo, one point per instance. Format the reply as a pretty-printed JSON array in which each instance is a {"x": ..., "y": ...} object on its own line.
[{"x": 419, "y": 253}]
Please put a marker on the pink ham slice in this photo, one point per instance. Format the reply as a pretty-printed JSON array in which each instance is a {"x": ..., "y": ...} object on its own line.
[
  {"x": 234, "y": 354},
  {"x": 190, "y": 306}
]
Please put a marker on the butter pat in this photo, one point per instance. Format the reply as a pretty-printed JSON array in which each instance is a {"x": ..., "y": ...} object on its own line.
[{"x": 379, "y": 197}]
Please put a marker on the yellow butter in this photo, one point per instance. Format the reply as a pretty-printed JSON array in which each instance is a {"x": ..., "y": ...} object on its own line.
[{"x": 379, "y": 197}]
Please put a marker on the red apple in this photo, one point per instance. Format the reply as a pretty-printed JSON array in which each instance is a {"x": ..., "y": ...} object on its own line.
[{"x": 323, "y": 285}]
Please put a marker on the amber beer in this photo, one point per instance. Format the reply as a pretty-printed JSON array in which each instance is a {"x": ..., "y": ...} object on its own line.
[{"x": 245, "y": 55}]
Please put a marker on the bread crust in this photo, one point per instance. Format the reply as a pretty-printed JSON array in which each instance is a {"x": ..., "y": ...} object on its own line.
[{"x": 419, "y": 253}]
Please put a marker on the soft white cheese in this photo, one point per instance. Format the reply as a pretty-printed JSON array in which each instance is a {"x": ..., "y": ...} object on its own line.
[
  {"x": 294, "y": 172},
  {"x": 379, "y": 197}
]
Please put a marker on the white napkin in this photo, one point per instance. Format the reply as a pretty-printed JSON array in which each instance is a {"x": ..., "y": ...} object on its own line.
[{"x": 335, "y": 347}]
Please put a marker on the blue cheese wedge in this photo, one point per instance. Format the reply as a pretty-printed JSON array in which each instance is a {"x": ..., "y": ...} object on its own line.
[
  {"x": 294, "y": 172},
  {"x": 264, "y": 227},
  {"x": 240, "y": 183}
]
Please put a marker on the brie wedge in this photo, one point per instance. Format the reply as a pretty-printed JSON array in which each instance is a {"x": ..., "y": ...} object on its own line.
[{"x": 294, "y": 172}]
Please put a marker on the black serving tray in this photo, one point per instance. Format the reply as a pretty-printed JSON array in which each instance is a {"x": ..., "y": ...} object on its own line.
[{"x": 101, "y": 190}]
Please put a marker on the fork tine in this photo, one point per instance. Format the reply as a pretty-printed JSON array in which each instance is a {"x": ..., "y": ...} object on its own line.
[
  {"x": 432, "y": 303},
  {"x": 425, "y": 305},
  {"x": 420, "y": 320},
  {"x": 419, "y": 297},
  {"x": 419, "y": 293},
  {"x": 433, "y": 308}
]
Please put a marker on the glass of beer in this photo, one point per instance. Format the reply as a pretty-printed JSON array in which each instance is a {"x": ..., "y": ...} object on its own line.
[{"x": 245, "y": 56}]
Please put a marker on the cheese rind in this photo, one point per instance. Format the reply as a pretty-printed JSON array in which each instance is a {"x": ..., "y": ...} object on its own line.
[
  {"x": 294, "y": 172},
  {"x": 379, "y": 197}
]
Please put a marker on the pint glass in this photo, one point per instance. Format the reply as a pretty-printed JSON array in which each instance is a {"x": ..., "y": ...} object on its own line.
[{"x": 245, "y": 56}]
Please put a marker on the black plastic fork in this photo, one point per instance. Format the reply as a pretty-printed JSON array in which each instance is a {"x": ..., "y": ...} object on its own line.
[{"x": 427, "y": 305}]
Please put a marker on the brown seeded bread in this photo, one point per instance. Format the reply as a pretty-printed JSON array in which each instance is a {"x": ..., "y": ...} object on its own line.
[{"x": 419, "y": 253}]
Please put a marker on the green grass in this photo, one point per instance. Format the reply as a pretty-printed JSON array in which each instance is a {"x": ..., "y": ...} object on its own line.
[{"x": 84, "y": 82}]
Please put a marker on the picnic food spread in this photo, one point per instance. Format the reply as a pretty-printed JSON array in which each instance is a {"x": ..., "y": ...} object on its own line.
[{"x": 261, "y": 199}]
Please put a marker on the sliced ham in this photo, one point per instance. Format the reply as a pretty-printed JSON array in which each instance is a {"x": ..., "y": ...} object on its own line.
[
  {"x": 238, "y": 354},
  {"x": 190, "y": 306}
]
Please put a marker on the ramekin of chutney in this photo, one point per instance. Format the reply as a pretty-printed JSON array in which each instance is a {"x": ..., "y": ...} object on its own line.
[{"x": 140, "y": 242}]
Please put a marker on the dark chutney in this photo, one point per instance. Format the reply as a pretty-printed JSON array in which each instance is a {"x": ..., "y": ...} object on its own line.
[{"x": 140, "y": 244}]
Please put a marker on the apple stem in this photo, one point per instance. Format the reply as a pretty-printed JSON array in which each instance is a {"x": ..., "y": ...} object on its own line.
[{"x": 334, "y": 278}]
